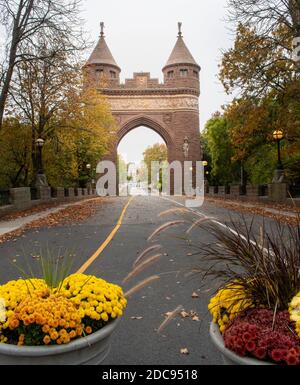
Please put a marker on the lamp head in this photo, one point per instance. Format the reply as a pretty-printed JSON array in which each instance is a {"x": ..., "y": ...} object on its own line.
[
  {"x": 278, "y": 135},
  {"x": 40, "y": 142}
]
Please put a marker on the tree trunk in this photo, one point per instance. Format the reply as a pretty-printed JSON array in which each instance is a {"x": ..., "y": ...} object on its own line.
[
  {"x": 294, "y": 6},
  {"x": 12, "y": 61},
  {"x": 7, "y": 78}
]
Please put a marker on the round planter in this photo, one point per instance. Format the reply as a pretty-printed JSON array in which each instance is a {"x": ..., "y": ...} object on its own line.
[
  {"x": 89, "y": 350},
  {"x": 229, "y": 357}
]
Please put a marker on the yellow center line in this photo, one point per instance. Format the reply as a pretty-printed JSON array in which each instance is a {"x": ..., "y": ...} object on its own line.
[{"x": 88, "y": 263}]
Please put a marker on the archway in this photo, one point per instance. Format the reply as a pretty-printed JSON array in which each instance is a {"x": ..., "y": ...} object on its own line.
[
  {"x": 171, "y": 107},
  {"x": 137, "y": 147}
]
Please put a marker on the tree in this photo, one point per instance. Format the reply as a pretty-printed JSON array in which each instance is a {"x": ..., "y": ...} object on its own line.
[
  {"x": 41, "y": 89},
  {"x": 220, "y": 151},
  {"x": 266, "y": 15},
  {"x": 156, "y": 153},
  {"x": 86, "y": 130},
  {"x": 257, "y": 64},
  {"x": 15, "y": 160},
  {"x": 25, "y": 21}
]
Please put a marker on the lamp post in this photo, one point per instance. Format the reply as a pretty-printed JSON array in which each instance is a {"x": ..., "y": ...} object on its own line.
[
  {"x": 206, "y": 187},
  {"x": 278, "y": 136},
  {"x": 41, "y": 179},
  {"x": 88, "y": 167},
  {"x": 40, "y": 144},
  {"x": 205, "y": 164},
  {"x": 279, "y": 172}
]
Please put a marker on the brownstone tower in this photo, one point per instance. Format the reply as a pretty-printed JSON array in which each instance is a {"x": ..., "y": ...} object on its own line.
[{"x": 170, "y": 108}]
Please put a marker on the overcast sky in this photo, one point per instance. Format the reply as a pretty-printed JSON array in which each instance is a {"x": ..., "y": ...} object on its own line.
[{"x": 141, "y": 35}]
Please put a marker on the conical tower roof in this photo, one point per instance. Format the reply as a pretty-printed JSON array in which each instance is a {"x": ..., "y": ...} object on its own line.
[
  {"x": 101, "y": 53},
  {"x": 180, "y": 53}
]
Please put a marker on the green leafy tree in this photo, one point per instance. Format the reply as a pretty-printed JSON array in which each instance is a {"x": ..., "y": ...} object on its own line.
[{"x": 220, "y": 151}]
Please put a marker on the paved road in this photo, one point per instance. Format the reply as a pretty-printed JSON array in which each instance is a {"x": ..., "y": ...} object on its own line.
[{"x": 136, "y": 341}]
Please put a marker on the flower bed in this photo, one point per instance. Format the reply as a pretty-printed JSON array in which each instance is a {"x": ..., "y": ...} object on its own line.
[
  {"x": 33, "y": 314},
  {"x": 254, "y": 332}
]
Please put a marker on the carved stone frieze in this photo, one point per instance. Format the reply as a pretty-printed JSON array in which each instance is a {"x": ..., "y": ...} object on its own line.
[{"x": 139, "y": 103}]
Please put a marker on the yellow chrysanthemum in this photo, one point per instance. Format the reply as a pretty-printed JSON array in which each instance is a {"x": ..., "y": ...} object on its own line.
[{"x": 227, "y": 304}]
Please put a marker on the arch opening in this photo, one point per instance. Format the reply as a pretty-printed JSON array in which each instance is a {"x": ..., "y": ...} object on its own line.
[{"x": 138, "y": 146}]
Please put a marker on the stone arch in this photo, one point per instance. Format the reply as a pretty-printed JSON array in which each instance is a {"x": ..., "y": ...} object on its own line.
[{"x": 148, "y": 122}]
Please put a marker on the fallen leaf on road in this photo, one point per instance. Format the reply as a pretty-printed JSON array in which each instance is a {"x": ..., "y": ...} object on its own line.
[
  {"x": 189, "y": 254},
  {"x": 184, "y": 351},
  {"x": 196, "y": 318},
  {"x": 66, "y": 216},
  {"x": 184, "y": 314},
  {"x": 136, "y": 318},
  {"x": 195, "y": 295}
]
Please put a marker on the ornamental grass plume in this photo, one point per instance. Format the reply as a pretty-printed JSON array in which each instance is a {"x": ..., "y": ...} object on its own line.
[
  {"x": 269, "y": 273},
  {"x": 144, "y": 253},
  {"x": 142, "y": 266}
]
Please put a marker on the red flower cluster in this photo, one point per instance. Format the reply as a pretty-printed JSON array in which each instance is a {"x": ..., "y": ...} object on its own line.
[{"x": 257, "y": 333}]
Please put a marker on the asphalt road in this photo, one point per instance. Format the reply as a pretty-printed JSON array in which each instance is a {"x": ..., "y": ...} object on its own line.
[{"x": 136, "y": 340}]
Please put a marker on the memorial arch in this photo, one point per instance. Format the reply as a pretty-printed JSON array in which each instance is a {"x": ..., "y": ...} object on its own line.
[{"x": 171, "y": 107}]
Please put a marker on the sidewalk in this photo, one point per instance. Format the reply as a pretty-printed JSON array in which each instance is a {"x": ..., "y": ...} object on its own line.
[
  {"x": 15, "y": 224},
  {"x": 283, "y": 213}
]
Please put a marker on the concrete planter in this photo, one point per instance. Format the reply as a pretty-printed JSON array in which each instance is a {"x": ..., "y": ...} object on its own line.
[
  {"x": 90, "y": 350},
  {"x": 229, "y": 357}
]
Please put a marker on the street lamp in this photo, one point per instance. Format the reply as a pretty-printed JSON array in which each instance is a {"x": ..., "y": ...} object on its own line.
[
  {"x": 278, "y": 136},
  {"x": 41, "y": 179},
  {"x": 40, "y": 144},
  {"x": 206, "y": 173},
  {"x": 88, "y": 167}
]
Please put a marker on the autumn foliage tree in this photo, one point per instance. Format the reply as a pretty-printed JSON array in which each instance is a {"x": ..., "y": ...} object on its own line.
[
  {"x": 260, "y": 71},
  {"x": 76, "y": 124},
  {"x": 23, "y": 22}
]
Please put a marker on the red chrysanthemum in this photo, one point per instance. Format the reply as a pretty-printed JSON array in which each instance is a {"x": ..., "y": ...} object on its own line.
[
  {"x": 259, "y": 333},
  {"x": 250, "y": 346},
  {"x": 291, "y": 359}
]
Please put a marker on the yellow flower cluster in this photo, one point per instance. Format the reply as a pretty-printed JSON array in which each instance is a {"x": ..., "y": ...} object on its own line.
[
  {"x": 58, "y": 317},
  {"x": 227, "y": 304},
  {"x": 81, "y": 305},
  {"x": 294, "y": 309},
  {"x": 94, "y": 297},
  {"x": 12, "y": 294}
]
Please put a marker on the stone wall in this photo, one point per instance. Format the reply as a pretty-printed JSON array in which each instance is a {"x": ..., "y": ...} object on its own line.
[
  {"x": 274, "y": 192},
  {"x": 24, "y": 197}
]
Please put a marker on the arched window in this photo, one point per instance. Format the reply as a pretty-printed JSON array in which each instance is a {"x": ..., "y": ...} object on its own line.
[
  {"x": 170, "y": 74},
  {"x": 113, "y": 75},
  {"x": 99, "y": 73},
  {"x": 184, "y": 73}
]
